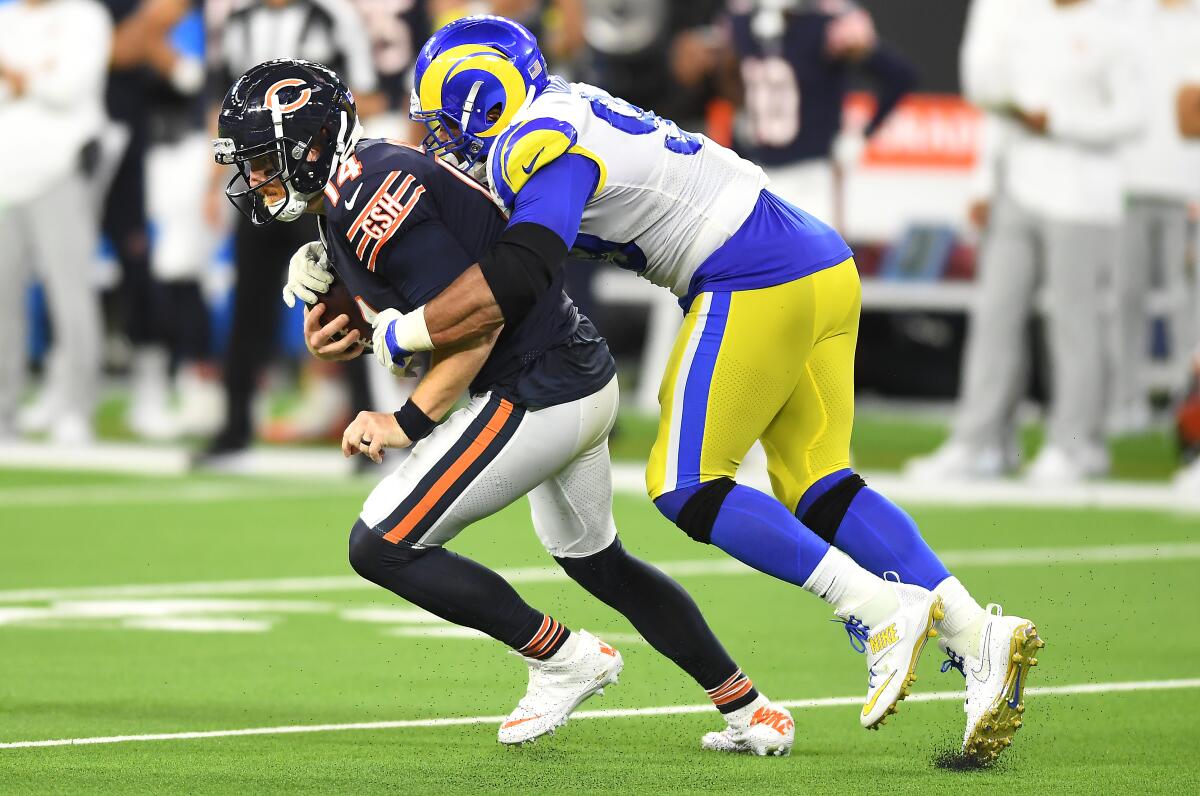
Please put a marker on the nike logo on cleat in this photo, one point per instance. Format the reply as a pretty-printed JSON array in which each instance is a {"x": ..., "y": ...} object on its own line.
[
  {"x": 1016, "y": 698},
  {"x": 515, "y": 722},
  {"x": 774, "y": 719},
  {"x": 986, "y": 662},
  {"x": 878, "y": 693}
]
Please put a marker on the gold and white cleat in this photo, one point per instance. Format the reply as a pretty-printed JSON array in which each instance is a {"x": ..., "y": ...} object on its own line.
[
  {"x": 995, "y": 681},
  {"x": 893, "y": 648}
]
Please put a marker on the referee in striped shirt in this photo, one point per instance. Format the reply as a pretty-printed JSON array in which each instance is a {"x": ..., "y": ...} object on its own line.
[{"x": 241, "y": 35}]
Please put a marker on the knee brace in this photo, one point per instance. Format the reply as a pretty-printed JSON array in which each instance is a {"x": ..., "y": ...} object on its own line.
[
  {"x": 699, "y": 511},
  {"x": 825, "y": 515}
]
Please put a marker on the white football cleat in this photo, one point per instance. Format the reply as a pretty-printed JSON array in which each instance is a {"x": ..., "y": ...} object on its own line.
[
  {"x": 893, "y": 648},
  {"x": 995, "y": 682},
  {"x": 557, "y": 687},
  {"x": 1057, "y": 467},
  {"x": 759, "y": 729},
  {"x": 955, "y": 461}
]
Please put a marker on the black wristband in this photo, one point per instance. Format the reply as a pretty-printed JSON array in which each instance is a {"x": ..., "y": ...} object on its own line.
[{"x": 413, "y": 422}]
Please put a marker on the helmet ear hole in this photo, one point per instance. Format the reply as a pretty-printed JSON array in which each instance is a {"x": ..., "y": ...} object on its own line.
[{"x": 493, "y": 114}]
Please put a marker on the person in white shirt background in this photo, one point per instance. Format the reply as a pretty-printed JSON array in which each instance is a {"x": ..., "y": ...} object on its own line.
[
  {"x": 1162, "y": 178},
  {"x": 53, "y": 62},
  {"x": 1063, "y": 82},
  {"x": 1187, "y": 109}
]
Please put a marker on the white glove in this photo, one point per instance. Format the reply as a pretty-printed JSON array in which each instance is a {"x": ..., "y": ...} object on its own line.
[
  {"x": 308, "y": 274},
  {"x": 383, "y": 341}
]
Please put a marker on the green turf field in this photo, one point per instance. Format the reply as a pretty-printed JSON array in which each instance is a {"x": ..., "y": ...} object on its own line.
[{"x": 253, "y": 619}]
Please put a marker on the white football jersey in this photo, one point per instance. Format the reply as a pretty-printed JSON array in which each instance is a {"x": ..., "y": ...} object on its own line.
[{"x": 666, "y": 199}]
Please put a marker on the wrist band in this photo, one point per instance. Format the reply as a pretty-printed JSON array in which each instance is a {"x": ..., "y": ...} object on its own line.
[
  {"x": 413, "y": 422},
  {"x": 410, "y": 331}
]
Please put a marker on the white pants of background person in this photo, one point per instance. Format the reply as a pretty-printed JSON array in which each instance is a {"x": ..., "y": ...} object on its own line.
[
  {"x": 557, "y": 455},
  {"x": 1021, "y": 253},
  {"x": 52, "y": 238},
  {"x": 1154, "y": 243},
  {"x": 808, "y": 185}
]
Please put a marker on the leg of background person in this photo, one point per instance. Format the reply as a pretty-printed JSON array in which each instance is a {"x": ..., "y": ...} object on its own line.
[
  {"x": 14, "y": 320},
  {"x": 1127, "y": 336},
  {"x": 1174, "y": 231},
  {"x": 65, "y": 258},
  {"x": 259, "y": 266},
  {"x": 141, "y": 297},
  {"x": 1076, "y": 259},
  {"x": 994, "y": 361}
]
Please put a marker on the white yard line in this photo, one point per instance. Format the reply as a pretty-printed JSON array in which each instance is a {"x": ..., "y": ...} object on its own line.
[
  {"x": 330, "y": 474},
  {"x": 630, "y": 478},
  {"x": 669, "y": 710},
  {"x": 1034, "y": 556},
  {"x": 186, "y": 492}
]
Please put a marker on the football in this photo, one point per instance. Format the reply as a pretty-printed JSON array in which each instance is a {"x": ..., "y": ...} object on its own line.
[{"x": 338, "y": 301}]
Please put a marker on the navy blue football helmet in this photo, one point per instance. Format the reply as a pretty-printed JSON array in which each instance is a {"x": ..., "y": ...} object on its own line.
[{"x": 288, "y": 122}]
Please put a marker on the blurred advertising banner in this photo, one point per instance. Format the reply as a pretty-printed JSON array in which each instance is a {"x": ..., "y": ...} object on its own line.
[{"x": 926, "y": 131}]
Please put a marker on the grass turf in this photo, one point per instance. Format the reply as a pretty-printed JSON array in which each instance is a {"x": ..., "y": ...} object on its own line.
[{"x": 95, "y": 674}]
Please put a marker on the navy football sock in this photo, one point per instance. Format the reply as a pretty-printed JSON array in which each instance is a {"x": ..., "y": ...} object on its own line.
[
  {"x": 758, "y": 530},
  {"x": 666, "y": 617},
  {"x": 457, "y": 589},
  {"x": 878, "y": 534}
]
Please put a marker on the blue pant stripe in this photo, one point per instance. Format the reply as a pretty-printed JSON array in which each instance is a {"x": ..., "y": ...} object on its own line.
[{"x": 696, "y": 389}]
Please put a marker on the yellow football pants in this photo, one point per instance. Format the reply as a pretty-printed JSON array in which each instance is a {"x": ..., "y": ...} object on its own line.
[{"x": 774, "y": 364}]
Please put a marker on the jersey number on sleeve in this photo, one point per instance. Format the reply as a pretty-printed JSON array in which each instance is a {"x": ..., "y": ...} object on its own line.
[
  {"x": 347, "y": 170},
  {"x": 631, "y": 119}
]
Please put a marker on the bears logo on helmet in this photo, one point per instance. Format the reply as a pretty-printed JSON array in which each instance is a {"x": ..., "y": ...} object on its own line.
[{"x": 286, "y": 125}]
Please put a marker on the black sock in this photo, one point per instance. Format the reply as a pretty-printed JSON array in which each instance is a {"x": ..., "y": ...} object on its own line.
[
  {"x": 455, "y": 588},
  {"x": 667, "y": 618}
]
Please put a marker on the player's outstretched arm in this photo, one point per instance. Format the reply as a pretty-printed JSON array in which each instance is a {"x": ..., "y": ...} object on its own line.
[
  {"x": 511, "y": 276},
  {"x": 449, "y": 376}
]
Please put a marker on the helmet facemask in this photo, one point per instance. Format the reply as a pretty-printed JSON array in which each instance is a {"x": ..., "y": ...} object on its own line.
[{"x": 449, "y": 138}]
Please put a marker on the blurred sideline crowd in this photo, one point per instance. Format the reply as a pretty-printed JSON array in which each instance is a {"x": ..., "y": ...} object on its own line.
[{"x": 120, "y": 254}]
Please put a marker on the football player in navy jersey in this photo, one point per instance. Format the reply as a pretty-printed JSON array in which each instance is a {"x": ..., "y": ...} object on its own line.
[
  {"x": 796, "y": 59},
  {"x": 398, "y": 226}
]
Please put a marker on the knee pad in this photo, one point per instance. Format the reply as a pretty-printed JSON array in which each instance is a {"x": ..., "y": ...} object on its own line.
[
  {"x": 698, "y": 515},
  {"x": 825, "y": 515}
]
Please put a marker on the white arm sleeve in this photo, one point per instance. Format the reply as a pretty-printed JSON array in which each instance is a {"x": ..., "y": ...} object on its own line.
[
  {"x": 1118, "y": 119},
  {"x": 350, "y": 32},
  {"x": 982, "y": 56},
  {"x": 79, "y": 68}
]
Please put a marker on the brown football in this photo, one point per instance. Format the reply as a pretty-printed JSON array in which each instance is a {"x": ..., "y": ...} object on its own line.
[{"x": 338, "y": 301}]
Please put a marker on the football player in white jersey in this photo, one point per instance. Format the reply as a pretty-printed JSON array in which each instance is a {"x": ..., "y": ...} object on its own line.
[{"x": 766, "y": 351}]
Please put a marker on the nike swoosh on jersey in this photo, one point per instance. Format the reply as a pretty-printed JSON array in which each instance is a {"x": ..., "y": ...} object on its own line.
[
  {"x": 353, "y": 196},
  {"x": 528, "y": 169}
]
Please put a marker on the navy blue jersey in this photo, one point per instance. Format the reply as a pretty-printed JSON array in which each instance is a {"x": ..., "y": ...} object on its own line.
[
  {"x": 400, "y": 226},
  {"x": 794, "y": 91}
]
